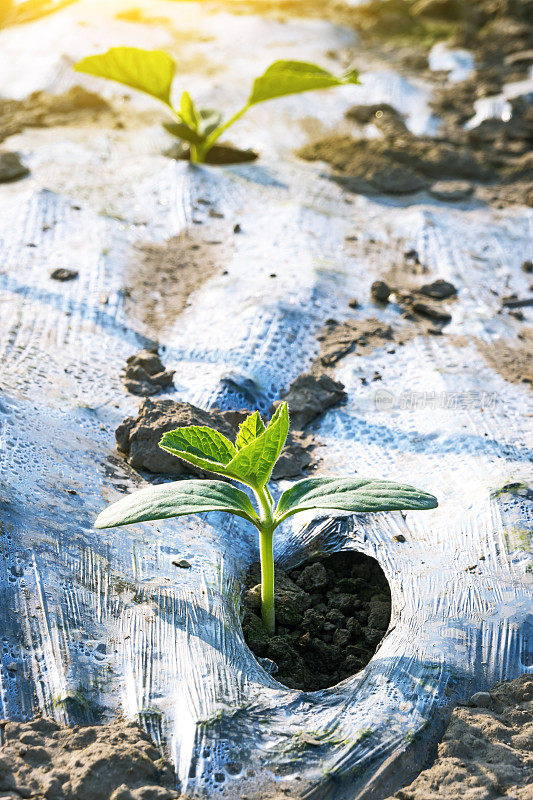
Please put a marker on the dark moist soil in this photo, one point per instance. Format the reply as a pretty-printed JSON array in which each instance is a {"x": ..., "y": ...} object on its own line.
[
  {"x": 219, "y": 154},
  {"x": 331, "y": 615}
]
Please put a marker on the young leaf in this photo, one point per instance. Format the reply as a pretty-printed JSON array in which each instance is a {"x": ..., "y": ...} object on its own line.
[
  {"x": 188, "y": 112},
  {"x": 253, "y": 463},
  {"x": 351, "y": 494},
  {"x": 182, "y": 131},
  {"x": 176, "y": 499},
  {"x": 252, "y": 427},
  {"x": 291, "y": 77},
  {"x": 201, "y": 446},
  {"x": 150, "y": 71}
]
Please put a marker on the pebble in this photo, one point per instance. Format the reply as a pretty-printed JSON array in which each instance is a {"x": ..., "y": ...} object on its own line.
[
  {"x": 451, "y": 191},
  {"x": 63, "y": 274},
  {"x": 11, "y": 168},
  {"x": 380, "y": 291},
  {"x": 480, "y": 700}
]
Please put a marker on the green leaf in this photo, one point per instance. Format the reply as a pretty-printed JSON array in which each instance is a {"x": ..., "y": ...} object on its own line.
[
  {"x": 254, "y": 462},
  {"x": 201, "y": 446},
  {"x": 182, "y": 131},
  {"x": 352, "y": 494},
  {"x": 176, "y": 499},
  {"x": 292, "y": 77},
  {"x": 188, "y": 112},
  {"x": 252, "y": 427},
  {"x": 150, "y": 71}
]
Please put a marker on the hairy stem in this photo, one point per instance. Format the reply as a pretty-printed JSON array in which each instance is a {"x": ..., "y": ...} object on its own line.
[{"x": 266, "y": 550}]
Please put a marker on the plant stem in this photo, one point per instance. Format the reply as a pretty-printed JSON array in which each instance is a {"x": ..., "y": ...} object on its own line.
[
  {"x": 266, "y": 551},
  {"x": 211, "y": 139}
]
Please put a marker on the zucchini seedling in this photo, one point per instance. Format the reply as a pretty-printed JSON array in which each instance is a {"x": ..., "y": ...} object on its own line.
[
  {"x": 152, "y": 72},
  {"x": 251, "y": 461}
]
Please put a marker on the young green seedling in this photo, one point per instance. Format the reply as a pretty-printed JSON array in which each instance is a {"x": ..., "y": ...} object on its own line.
[
  {"x": 251, "y": 461},
  {"x": 152, "y": 72}
]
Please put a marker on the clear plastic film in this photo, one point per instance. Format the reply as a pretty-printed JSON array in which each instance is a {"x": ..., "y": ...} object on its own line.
[{"x": 96, "y": 622}]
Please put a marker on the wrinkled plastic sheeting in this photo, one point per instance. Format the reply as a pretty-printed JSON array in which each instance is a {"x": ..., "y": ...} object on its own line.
[{"x": 95, "y": 622}]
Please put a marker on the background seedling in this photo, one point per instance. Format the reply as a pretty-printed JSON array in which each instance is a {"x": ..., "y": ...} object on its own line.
[
  {"x": 251, "y": 461},
  {"x": 152, "y": 72}
]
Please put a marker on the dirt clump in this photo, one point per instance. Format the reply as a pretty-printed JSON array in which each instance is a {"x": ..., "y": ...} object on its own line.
[
  {"x": 331, "y": 613},
  {"x": 395, "y": 165},
  {"x": 118, "y": 761},
  {"x": 138, "y": 439},
  {"x": 45, "y": 110},
  {"x": 360, "y": 336},
  {"x": 310, "y": 395},
  {"x": 486, "y": 750},
  {"x": 511, "y": 358},
  {"x": 11, "y": 168},
  {"x": 145, "y": 374},
  {"x": 63, "y": 274}
]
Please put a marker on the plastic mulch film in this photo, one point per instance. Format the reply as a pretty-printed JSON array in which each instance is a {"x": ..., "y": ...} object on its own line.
[{"x": 96, "y": 622}]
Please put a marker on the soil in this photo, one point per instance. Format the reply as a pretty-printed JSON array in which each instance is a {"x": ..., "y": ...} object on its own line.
[
  {"x": 44, "y": 110},
  {"x": 331, "y": 614},
  {"x": 11, "y": 168},
  {"x": 41, "y": 759},
  {"x": 494, "y": 157},
  {"x": 138, "y": 437},
  {"x": 159, "y": 278},
  {"x": 511, "y": 358},
  {"x": 310, "y": 395},
  {"x": 360, "y": 336},
  {"x": 219, "y": 154},
  {"x": 145, "y": 374},
  {"x": 485, "y": 753}
]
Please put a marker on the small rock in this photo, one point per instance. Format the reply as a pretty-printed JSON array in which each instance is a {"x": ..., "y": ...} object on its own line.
[
  {"x": 527, "y": 266},
  {"x": 353, "y": 303},
  {"x": 431, "y": 312},
  {"x": 145, "y": 374},
  {"x": 438, "y": 290},
  {"x": 480, "y": 700},
  {"x": 64, "y": 274},
  {"x": 451, "y": 191},
  {"x": 399, "y": 538},
  {"x": 11, "y": 168},
  {"x": 183, "y": 564},
  {"x": 237, "y": 228},
  {"x": 252, "y": 597},
  {"x": 380, "y": 291}
]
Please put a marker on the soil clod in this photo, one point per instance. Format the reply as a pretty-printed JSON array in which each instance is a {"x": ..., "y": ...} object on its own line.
[
  {"x": 63, "y": 274},
  {"x": 11, "y": 168},
  {"x": 360, "y": 336},
  {"x": 145, "y": 374},
  {"x": 310, "y": 395}
]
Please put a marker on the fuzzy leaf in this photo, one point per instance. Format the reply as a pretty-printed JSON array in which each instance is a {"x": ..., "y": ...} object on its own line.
[
  {"x": 292, "y": 77},
  {"x": 252, "y": 427},
  {"x": 150, "y": 71},
  {"x": 352, "y": 494},
  {"x": 253, "y": 463},
  {"x": 174, "y": 500},
  {"x": 182, "y": 131},
  {"x": 201, "y": 446}
]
